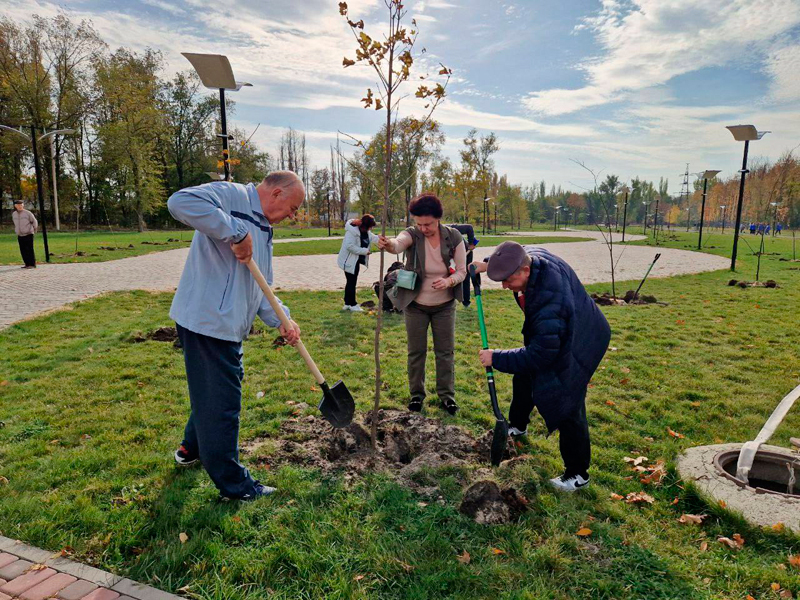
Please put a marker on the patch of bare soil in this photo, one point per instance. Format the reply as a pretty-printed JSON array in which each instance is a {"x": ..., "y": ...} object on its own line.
[
  {"x": 413, "y": 448},
  {"x": 630, "y": 297},
  {"x": 770, "y": 283},
  {"x": 162, "y": 334}
]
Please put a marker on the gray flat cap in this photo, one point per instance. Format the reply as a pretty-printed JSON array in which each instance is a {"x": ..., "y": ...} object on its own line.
[{"x": 505, "y": 260}]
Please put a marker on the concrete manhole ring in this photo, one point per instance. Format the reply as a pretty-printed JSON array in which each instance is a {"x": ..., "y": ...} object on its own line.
[{"x": 702, "y": 467}]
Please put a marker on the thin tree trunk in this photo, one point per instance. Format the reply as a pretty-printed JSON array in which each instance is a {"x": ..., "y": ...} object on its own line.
[{"x": 384, "y": 216}]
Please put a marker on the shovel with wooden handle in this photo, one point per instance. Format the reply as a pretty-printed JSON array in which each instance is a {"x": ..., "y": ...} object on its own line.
[
  {"x": 501, "y": 425},
  {"x": 337, "y": 404}
]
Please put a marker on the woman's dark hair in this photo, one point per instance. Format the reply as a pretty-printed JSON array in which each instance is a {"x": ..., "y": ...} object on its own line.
[
  {"x": 426, "y": 205},
  {"x": 365, "y": 223}
]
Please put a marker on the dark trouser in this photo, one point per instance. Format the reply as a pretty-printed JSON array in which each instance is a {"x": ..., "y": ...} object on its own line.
[
  {"x": 26, "y": 249},
  {"x": 442, "y": 321},
  {"x": 214, "y": 372},
  {"x": 350, "y": 287},
  {"x": 573, "y": 431},
  {"x": 468, "y": 281}
]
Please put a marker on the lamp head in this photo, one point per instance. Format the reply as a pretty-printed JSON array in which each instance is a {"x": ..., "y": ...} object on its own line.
[
  {"x": 215, "y": 71},
  {"x": 710, "y": 174},
  {"x": 746, "y": 133}
]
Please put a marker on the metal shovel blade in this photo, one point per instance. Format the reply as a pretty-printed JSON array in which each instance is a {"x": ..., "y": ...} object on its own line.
[
  {"x": 499, "y": 442},
  {"x": 337, "y": 404}
]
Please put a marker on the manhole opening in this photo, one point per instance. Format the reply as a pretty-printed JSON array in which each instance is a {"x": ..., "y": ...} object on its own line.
[{"x": 771, "y": 472}]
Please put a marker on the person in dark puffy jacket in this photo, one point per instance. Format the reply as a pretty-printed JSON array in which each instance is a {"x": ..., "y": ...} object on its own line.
[{"x": 565, "y": 336}]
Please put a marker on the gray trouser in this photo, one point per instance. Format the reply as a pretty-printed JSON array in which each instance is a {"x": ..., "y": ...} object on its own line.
[{"x": 442, "y": 321}]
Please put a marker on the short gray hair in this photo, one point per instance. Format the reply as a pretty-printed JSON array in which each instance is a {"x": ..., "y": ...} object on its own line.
[{"x": 282, "y": 179}]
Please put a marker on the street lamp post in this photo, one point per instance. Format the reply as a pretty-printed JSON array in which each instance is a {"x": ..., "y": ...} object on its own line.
[
  {"x": 708, "y": 174},
  {"x": 646, "y": 205},
  {"x": 555, "y": 217},
  {"x": 329, "y": 213},
  {"x": 485, "y": 204},
  {"x": 215, "y": 72},
  {"x": 52, "y": 138},
  {"x": 625, "y": 189},
  {"x": 746, "y": 134},
  {"x": 722, "y": 206}
]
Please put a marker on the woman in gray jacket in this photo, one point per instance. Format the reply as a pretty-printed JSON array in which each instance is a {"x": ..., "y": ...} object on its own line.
[{"x": 355, "y": 252}]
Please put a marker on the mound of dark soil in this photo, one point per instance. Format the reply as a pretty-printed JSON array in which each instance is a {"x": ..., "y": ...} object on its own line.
[
  {"x": 162, "y": 334},
  {"x": 369, "y": 304},
  {"x": 487, "y": 504},
  {"x": 770, "y": 283},
  {"x": 411, "y": 447},
  {"x": 630, "y": 297}
]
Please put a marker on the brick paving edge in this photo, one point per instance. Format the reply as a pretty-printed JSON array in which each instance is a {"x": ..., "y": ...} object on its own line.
[{"x": 138, "y": 591}]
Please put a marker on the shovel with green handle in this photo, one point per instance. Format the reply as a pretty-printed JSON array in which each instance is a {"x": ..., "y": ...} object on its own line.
[{"x": 501, "y": 425}]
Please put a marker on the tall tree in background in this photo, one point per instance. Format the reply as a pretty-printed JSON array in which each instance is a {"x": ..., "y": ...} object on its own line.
[
  {"x": 391, "y": 60},
  {"x": 189, "y": 130},
  {"x": 130, "y": 125}
]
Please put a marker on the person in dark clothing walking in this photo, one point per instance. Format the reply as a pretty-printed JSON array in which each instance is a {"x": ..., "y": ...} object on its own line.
[
  {"x": 470, "y": 242},
  {"x": 25, "y": 226},
  {"x": 355, "y": 251},
  {"x": 565, "y": 336}
]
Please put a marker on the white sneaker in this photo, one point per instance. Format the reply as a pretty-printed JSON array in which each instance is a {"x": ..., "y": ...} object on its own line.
[
  {"x": 515, "y": 432},
  {"x": 346, "y": 307},
  {"x": 356, "y": 308},
  {"x": 569, "y": 484}
]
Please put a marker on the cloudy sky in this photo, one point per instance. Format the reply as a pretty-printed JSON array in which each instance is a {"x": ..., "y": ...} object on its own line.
[{"x": 632, "y": 87}]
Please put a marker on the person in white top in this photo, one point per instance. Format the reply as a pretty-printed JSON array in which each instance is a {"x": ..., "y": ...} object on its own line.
[
  {"x": 438, "y": 256},
  {"x": 355, "y": 252}
]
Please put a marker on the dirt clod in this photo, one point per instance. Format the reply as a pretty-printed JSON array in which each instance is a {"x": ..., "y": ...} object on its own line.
[
  {"x": 162, "y": 334},
  {"x": 487, "y": 504},
  {"x": 630, "y": 297}
]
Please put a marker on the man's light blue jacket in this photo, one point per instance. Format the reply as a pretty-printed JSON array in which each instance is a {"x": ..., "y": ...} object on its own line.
[{"x": 217, "y": 296}]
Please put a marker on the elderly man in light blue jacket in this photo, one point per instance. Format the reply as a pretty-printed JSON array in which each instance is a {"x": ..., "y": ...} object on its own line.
[{"x": 214, "y": 307}]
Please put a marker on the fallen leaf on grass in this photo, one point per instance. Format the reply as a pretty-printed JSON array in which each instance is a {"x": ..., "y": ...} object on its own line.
[
  {"x": 778, "y": 527},
  {"x": 749, "y": 597},
  {"x": 675, "y": 501},
  {"x": 639, "y": 498},
  {"x": 498, "y": 551},
  {"x": 625, "y": 381},
  {"x": 704, "y": 547},
  {"x": 616, "y": 496},
  {"x": 358, "y": 577},
  {"x": 406, "y": 567},
  {"x": 610, "y": 403},
  {"x": 583, "y": 532},
  {"x": 183, "y": 538},
  {"x": 655, "y": 474},
  {"x": 680, "y": 322},
  {"x": 4, "y": 383},
  {"x": 794, "y": 560},
  {"x": 422, "y": 504},
  {"x": 636, "y": 461},
  {"x": 785, "y": 594},
  {"x": 86, "y": 436},
  {"x": 734, "y": 544},
  {"x": 723, "y": 504},
  {"x": 236, "y": 519},
  {"x": 675, "y": 434},
  {"x": 464, "y": 558},
  {"x": 3, "y": 480},
  {"x": 625, "y": 370},
  {"x": 692, "y": 519}
]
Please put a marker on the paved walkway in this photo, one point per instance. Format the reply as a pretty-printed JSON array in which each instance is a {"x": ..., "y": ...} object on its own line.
[
  {"x": 27, "y": 292},
  {"x": 30, "y": 573}
]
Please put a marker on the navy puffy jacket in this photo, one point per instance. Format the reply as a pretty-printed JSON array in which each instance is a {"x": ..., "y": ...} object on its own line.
[{"x": 565, "y": 337}]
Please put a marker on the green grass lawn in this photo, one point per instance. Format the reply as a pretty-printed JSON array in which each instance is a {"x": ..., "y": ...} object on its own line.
[
  {"x": 90, "y": 420},
  {"x": 94, "y": 246}
]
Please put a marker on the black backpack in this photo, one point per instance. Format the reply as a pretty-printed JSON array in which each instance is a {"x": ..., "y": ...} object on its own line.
[{"x": 389, "y": 281}]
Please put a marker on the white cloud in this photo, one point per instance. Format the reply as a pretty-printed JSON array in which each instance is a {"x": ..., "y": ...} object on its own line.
[
  {"x": 783, "y": 64},
  {"x": 166, "y": 6},
  {"x": 648, "y": 42}
]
